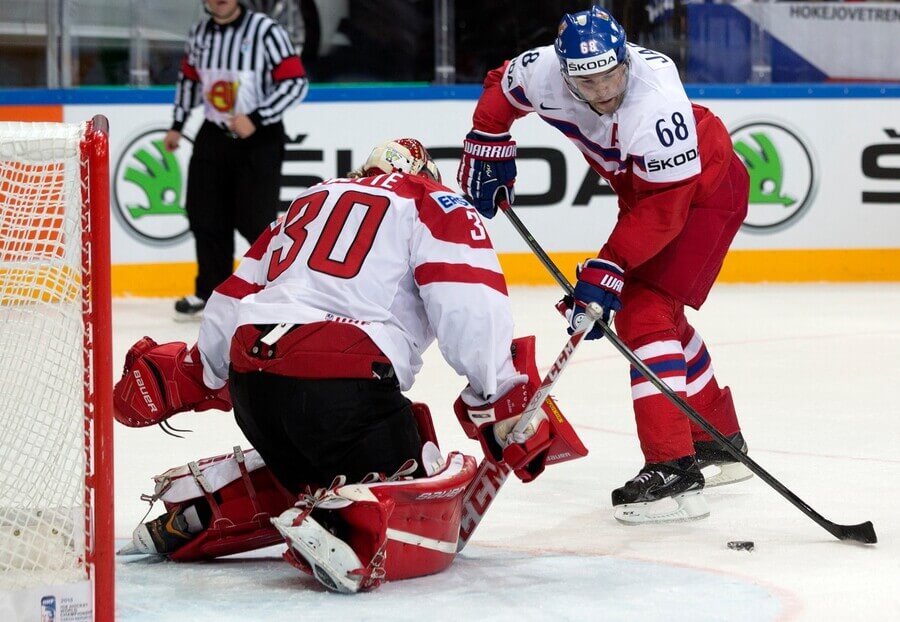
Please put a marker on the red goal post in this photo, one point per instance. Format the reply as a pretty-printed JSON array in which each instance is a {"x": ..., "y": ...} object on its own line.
[{"x": 57, "y": 554}]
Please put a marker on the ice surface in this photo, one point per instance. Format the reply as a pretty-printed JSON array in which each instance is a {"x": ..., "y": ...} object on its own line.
[{"x": 814, "y": 370}]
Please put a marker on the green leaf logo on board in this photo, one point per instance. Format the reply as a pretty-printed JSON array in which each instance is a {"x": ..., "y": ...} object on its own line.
[
  {"x": 782, "y": 175},
  {"x": 149, "y": 188}
]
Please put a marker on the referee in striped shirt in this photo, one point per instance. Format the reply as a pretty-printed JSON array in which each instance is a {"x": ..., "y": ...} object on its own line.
[{"x": 241, "y": 65}]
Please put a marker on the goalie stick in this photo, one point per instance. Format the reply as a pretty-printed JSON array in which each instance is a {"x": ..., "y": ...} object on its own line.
[
  {"x": 863, "y": 532},
  {"x": 491, "y": 476}
]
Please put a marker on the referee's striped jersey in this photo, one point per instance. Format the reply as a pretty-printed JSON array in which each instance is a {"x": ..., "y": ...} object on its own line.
[{"x": 248, "y": 66}]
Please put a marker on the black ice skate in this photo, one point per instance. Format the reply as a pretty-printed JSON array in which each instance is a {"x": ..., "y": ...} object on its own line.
[
  {"x": 663, "y": 492},
  {"x": 189, "y": 308},
  {"x": 161, "y": 536},
  {"x": 719, "y": 467}
]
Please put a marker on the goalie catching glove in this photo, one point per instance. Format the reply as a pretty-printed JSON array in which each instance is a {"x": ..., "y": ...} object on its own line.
[{"x": 161, "y": 380}]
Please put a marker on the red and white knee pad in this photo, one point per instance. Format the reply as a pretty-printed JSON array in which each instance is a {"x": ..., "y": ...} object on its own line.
[{"x": 243, "y": 495}]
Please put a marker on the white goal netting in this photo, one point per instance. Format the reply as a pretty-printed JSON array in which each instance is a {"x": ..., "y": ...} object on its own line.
[{"x": 44, "y": 356}]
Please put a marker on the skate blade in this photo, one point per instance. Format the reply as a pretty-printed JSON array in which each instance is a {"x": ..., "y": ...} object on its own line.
[
  {"x": 130, "y": 549},
  {"x": 728, "y": 473},
  {"x": 678, "y": 509}
]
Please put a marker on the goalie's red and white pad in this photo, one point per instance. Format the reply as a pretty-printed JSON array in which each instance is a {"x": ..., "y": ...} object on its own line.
[
  {"x": 242, "y": 494},
  {"x": 398, "y": 529}
]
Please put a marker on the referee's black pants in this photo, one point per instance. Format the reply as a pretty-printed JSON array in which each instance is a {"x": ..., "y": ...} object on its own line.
[
  {"x": 309, "y": 431},
  {"x": 233, "y": 184}
]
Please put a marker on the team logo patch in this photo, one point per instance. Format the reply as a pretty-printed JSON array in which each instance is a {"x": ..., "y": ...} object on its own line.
[
  {"x": 222, "y": 95},
  {"x": 449, "y": 201},
  {"x": 394, "y": 158}
]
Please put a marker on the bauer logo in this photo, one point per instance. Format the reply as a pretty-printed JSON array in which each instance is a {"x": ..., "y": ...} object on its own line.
[
  {"x": 782, "y": 175},
  {"x": 440, "y": 494},
  {"x": 149, "y": 187}
]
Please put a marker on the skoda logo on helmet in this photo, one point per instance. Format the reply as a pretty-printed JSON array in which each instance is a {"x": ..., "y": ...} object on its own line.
[
  {"x": 589, "y": 42},
  {"x": 595, "y": 64}
]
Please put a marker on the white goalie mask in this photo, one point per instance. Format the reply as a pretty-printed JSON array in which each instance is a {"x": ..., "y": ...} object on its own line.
[{"x": 405, "y": 155}]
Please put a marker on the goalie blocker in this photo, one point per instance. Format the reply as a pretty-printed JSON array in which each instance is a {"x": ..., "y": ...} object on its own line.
[{"x": 548, "y": 439}]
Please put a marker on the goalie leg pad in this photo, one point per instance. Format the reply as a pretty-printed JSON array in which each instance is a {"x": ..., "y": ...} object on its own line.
[
  {"x": 240, "y": 521},
  {"x": 397, "y": 529},
  {"x": 242, "y": 495}
]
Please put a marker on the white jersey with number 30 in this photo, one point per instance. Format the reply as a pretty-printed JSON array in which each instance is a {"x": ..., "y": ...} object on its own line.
[{"x": 401, "y": 257}]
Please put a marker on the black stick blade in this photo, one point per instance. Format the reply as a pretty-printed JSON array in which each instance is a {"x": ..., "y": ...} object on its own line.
[{"x": 864, "y": 532}]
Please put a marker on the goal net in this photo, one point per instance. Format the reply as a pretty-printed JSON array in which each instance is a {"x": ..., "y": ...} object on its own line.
[{"x": 56, "y": 536}]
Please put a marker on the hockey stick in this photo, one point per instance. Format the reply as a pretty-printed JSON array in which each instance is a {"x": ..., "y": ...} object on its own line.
[
  {"x": 491, "y": 476},
  {"x": 863, "y": 532}
]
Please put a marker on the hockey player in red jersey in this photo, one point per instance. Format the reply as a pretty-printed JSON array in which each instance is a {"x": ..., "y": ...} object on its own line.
[
  {"x": 313, "y": 339},
  {"x": 682, "y": 195}
]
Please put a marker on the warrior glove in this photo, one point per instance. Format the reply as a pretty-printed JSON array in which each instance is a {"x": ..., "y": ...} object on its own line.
[{"x": 487, "y": 170}]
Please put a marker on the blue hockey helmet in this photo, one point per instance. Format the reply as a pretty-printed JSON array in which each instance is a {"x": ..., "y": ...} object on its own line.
[{"x": 589, "y": 42}]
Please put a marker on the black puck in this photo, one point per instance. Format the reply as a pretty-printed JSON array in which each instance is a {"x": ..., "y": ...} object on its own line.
[{"x": 741, "y": 545}]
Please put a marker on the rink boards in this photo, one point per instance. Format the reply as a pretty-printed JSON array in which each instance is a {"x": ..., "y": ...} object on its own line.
[{"x": 824, "y": 162}]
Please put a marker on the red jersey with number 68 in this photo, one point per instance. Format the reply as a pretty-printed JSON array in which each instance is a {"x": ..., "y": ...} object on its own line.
[{"x": 400, "y": 257}]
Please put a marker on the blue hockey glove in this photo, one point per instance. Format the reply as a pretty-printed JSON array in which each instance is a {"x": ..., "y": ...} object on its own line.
[
  {"x": 487, "y": 170},
  {"x": 599, "y": 281}
]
